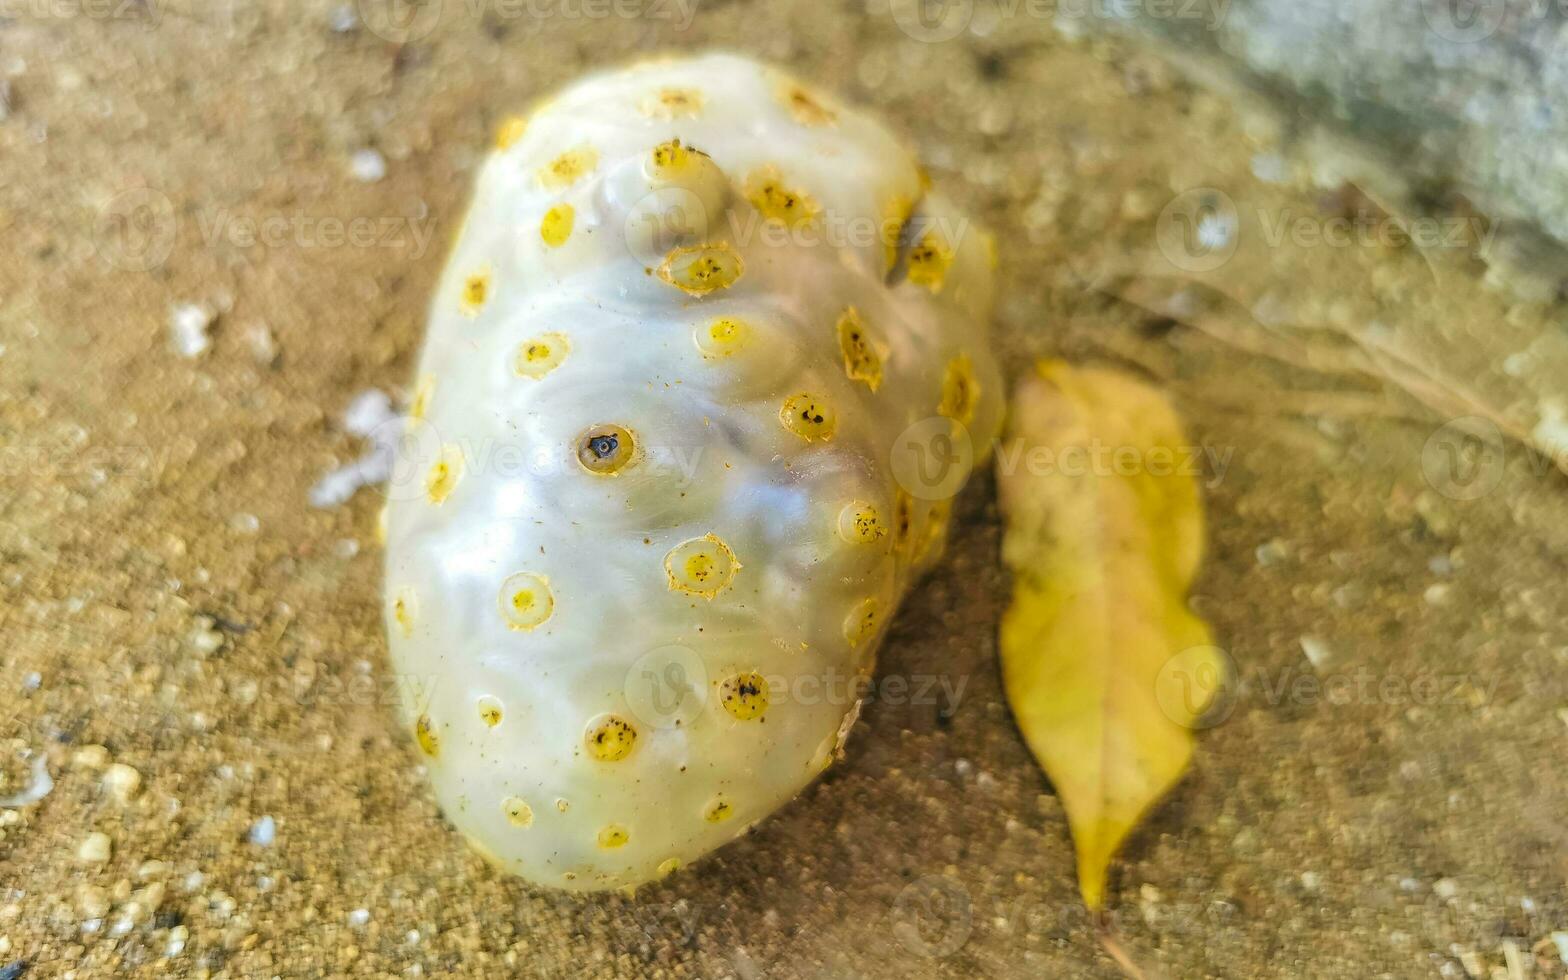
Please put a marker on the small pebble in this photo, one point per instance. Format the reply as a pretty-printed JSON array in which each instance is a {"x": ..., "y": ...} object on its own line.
[
  {"x": 188, "y": 325},
  {"x": 96, "y": 849},
  {"x": 1272, "y": 552},
  {"x": 32, "y": 681},
  {"x": 368, "y": 166},
  {"x": 358, "y": 917},
  {"x": 343, "y": 18},
  {"x": 1445, "y": 888},
  {"x": 263, "y": 832},
  {"x": 122, "y": 781},
  {"x": 177, "y": 938},
  {"x": 90, "y": 757},
  {"x": 1316, "y": 650}
]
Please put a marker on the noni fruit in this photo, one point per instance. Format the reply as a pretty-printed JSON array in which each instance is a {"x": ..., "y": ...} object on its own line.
[{"x": 705, "y": 369}]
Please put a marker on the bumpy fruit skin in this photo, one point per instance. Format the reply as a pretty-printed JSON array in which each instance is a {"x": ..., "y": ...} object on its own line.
[{"x": 655, "y": 533}]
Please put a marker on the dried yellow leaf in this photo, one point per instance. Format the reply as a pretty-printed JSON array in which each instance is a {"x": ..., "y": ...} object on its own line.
[{"x": 1107, "y": 672}]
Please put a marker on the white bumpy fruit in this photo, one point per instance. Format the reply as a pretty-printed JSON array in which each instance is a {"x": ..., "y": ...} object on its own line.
[{"x": 667, "y": 493}]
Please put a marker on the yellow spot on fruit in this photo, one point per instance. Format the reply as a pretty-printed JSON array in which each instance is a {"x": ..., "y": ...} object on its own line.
[
  {"x": 668, "y": 866},
  {"x": 701, "y": 269},
  {"x": 610, "y": 739},
  {"x": 808, "y": 416},
  {"x": 672, "y": 103},
  {"x": 960, "y": 390},
  {"x": 613, "y": 836},
  {"x": 556, "y": 225},
  {"x": 490, "y": 711},
  {"x": 566, "y": 169},
  {"x": 526, "y": 600},
  {"x": 862, "y": 622},
  {"x": 403, "y": 608},
  {"x": 424, "y": 389},
  {"x": 702, "y": 566},
  {"x": 444, "y": 474},
  {"x": 718, "y": 810},
  {"x": 929, "y": 261},
  {"x": 518, "y": 813},
  {"x": 766, "y": 191},
  {"x": 476, "y": 289},
  {"x": 937, "y": 519},
  {"x": 425, "y": 735},
  {"x": 862, "y": 361},
  {"x": 744, "y": 696},
  {"x": 562, "y": 805},
  {"x": 540, "y": 355},
  {"x": 605, "y": 450},
  {"x": 673, "y": 156},
  {"x": 898, "y": 208},
  {"x": 722, "y": 337},
  {"x": 510, "y": 131},
  {"x": 859, "y": 523},
  {"x": 807, "y": 109},
  {"x": 903, "y": 518}
]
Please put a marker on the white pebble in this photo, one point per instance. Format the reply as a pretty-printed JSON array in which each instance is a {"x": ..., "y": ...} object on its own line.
[
  {"x": 122, "y": 781},
  {"x": 1436, "y": 595},
  {"x": 177, "y": 937},
  {"x": 263, "y": 832},
  {"x": 32, "y": 681},
  {"x": 96, "y": 849},
  {"x": 1316, "y": 650},
  {"x": 358, "y": 917},
  {"x": 188, "y": 324},
  {"x": 368, "y": 166},
  {"x": 1445, "y": 888}
]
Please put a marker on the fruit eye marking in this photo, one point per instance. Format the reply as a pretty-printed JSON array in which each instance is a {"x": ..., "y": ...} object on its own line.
[
  {"x": 605, "y": 449},
  {"x": 960, "y": 390},
  {"x": 611, "y": 739},
  {"x": 808, "y": 416},
  {"x": 509, "y": 132},
  {"x": 526, "y": 601},
  {"x": 718, "y": 810},
  {"x": 859, "y": 523},
  {"x": 476, "y": 289},
  {"x": 861, "y": 360},
  {"x": 671, "y": 103},
  {"x": 700, "y": 269},
  {"x": 613, "y": 836},
  {"x": 929, "y": 261},
  {"x": 722, "y": 337},
  {"x": 744, "y": 696},
  {"x": 425, "y": 735},
  {"x": 490, "y": 711},
  {"x": 444, "y": 474},
  {"x": 862, "y": 622},
  {"x": 540, "y": 355},
  {"x": 556, "y": 225},
  {"x": 518, "y": 813},
  {"x": 702, "y": 566},
  {"x": 767, "y": 192},
  {"x": 565, "y": 169},
  {"x": 807, "y": 109}
]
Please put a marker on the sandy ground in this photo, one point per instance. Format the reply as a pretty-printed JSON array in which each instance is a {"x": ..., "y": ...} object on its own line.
[{"x": 1386, "y": 798}]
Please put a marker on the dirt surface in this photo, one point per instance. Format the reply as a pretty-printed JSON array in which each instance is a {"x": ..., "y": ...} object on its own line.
[{"x": 1386, "y": 798}]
